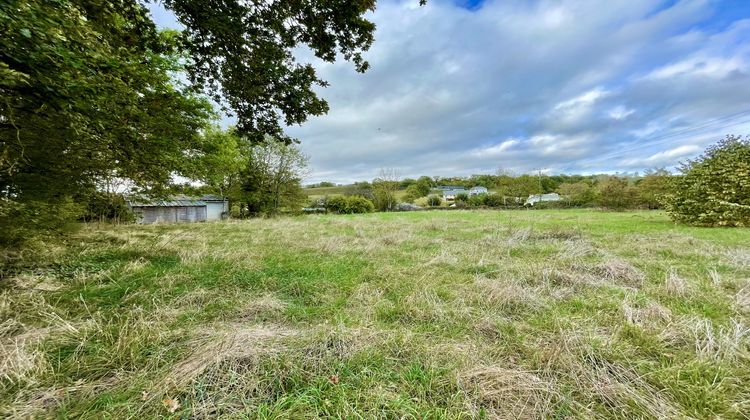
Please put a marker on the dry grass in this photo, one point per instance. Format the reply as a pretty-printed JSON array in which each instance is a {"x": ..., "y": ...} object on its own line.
[
  {"x": 507, "y": 393},
  {"x": 530, "y": 314}
]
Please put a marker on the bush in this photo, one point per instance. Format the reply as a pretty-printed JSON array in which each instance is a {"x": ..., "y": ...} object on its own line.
[
  {"x": 434, "y": 200},
  {"x": 462, "y": 198},
  {"x": 108, "y": 207},
  {"x": 349, "y": 205},
  {"x": 714, "y": 189},
  {"x": 614, "y": 193},
  {"x": 235, "y": 212},
  {"x": 493, "y": 200},
  {"x": 385, "y": 199},
  {"x": 478, "y": 200},
  {"x": 577, "y": 193},
  {"x": 25, "y": 222}
]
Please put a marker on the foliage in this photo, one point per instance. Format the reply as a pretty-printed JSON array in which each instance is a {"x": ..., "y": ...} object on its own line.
[
  {"x": 110, "y": 207},
  {"x": 714, "y": 189},
  {"x": 242, "y": 54},
  {"x": 577, "y": 194},
  {"x": 384, "y": 190},
  {"x": 462, "y": 198},
  {"x": 614, "y": 193},
  {"x": 652, "y": 188},
  {"x": 434, "y": 200},
  {"x": 222, "y": 155},
  {"x": 30, "y": 221},
  {"x": 271, "y": 180},
  {"x": 349, "y": 204}
]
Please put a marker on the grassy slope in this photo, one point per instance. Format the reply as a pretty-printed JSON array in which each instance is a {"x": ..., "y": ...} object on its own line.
[
  {"x": 439, "y": 314},
  {"x": 320, "y": 192}
]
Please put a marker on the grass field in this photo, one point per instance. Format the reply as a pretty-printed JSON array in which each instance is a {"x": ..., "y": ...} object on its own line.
[
  {"x": 462, "y": 314},
  {"x": 322, "y": 192}
]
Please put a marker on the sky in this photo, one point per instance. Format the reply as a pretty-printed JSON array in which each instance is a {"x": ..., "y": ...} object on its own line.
[{"x": 467, "y": 87}]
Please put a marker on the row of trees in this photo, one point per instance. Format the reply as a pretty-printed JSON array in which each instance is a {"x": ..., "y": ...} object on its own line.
[
  {"x": 93, "y": 94},
  {"x": 713, "y": 189}
]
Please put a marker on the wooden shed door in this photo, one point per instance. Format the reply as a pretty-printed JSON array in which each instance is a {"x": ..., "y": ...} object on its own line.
[{"x": 182, "y": 214}]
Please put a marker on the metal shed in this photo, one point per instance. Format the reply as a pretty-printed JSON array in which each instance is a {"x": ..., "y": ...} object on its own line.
[{"x": 179, "y": 209}]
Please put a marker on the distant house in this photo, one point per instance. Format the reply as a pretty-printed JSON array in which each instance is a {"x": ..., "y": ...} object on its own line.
[
  {"x": 477, "y": 190},
  {"x": 450, "y": 195},
  {"x": 180, "y": 209},
  {"x": 538, "y": 198}
]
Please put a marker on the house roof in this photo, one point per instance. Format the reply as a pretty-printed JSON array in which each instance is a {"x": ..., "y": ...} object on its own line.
[{"x": 455, "y": 191}]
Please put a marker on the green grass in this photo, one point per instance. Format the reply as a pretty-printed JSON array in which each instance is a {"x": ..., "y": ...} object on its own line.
[
  {"x": 322, "y": 192},
  {"x": 460, "y": 314}
]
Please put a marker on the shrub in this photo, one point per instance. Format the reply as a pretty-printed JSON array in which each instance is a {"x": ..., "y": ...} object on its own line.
[
  {"x": 108, "y": 207},
  {"x": 434, "y": 200},
  {"x": 235, "y": 211},
  {"x": 349, "y": 204},
  {"x": 462, "y": 198},
  {"x": 494, "y": 200},
  {"x": 385, "y": 200},
  {"x": 25, "y": 222},
  {"x": 577, "y": 193},
  {"x": 714, "y": 189},
  {"x": 650, "y": 190},
  {"x": 614, "y": 193},
  {"x": 478, "y": 200}
]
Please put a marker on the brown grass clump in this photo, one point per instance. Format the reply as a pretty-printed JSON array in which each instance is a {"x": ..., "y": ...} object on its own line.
[
  {"x": 738, "y": 257},
  {"x": 506, "y": 294},
  {"x": 675, "y": 285},
  {"x": 575, "y": 358},
  {"x": 576, "y": 248},
  {"x": 266, "y": 306},
  {"x": 226, "y": 342},
  {"x": 648, "y": 316},
  {"x": 509, "y": 393},
  {"x": 620, "y": 272}
]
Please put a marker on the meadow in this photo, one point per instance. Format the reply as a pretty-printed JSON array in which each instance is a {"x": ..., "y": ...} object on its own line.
[{"x": 449, "y": 314}]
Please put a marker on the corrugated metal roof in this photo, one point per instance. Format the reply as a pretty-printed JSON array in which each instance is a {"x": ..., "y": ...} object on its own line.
[
  {"x": 168, "y": 203},
  {"x": 177, "y": 201}
]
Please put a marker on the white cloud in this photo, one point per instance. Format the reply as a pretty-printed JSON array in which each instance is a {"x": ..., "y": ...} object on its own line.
[
  {"x": 666, "y": 158},
  {"x": 567, "y": 85},
  {"x": 620, "y": 112}
]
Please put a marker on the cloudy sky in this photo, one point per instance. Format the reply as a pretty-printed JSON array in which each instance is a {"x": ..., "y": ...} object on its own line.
[{"x": 561, "y": 86}]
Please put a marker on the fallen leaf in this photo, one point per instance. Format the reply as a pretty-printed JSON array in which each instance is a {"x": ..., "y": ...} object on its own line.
[
  {"x": 172, "y": 404},
  {"x": 144, "y": 395},
  {"x": 334, "y": 379}
]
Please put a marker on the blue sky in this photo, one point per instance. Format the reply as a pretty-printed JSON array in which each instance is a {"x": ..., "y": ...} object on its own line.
[{"x": 459, "y": 87}]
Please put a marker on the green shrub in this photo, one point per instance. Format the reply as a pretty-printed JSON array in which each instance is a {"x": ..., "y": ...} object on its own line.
[
  {"x": 235, "y": 212},
  {"x": 434, "y": 200},
  {"x": 349, "y": 205},
  {"x": 577, "y": 193},
  {"x": 108, "y": 207},
  {"x": 493, "y": 200},
  {"x": 385, "y": 200},
  {"x": 25, "y": 222},
  {"x": 478, "y": 200},
  {"x": 615, "y": 193},
  {"x": 714, "y": 189},
  {"x": 462, "y": 198}
]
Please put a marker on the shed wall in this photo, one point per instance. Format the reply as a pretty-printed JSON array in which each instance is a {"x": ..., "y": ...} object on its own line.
[{"x": 171, "y": 214}]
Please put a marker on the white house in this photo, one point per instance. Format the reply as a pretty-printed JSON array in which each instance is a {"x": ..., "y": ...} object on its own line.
[
  {"x": 538, "y": 198},
  {"x": 477, "y": 190},
  {"x": 450, "y": 195}
]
